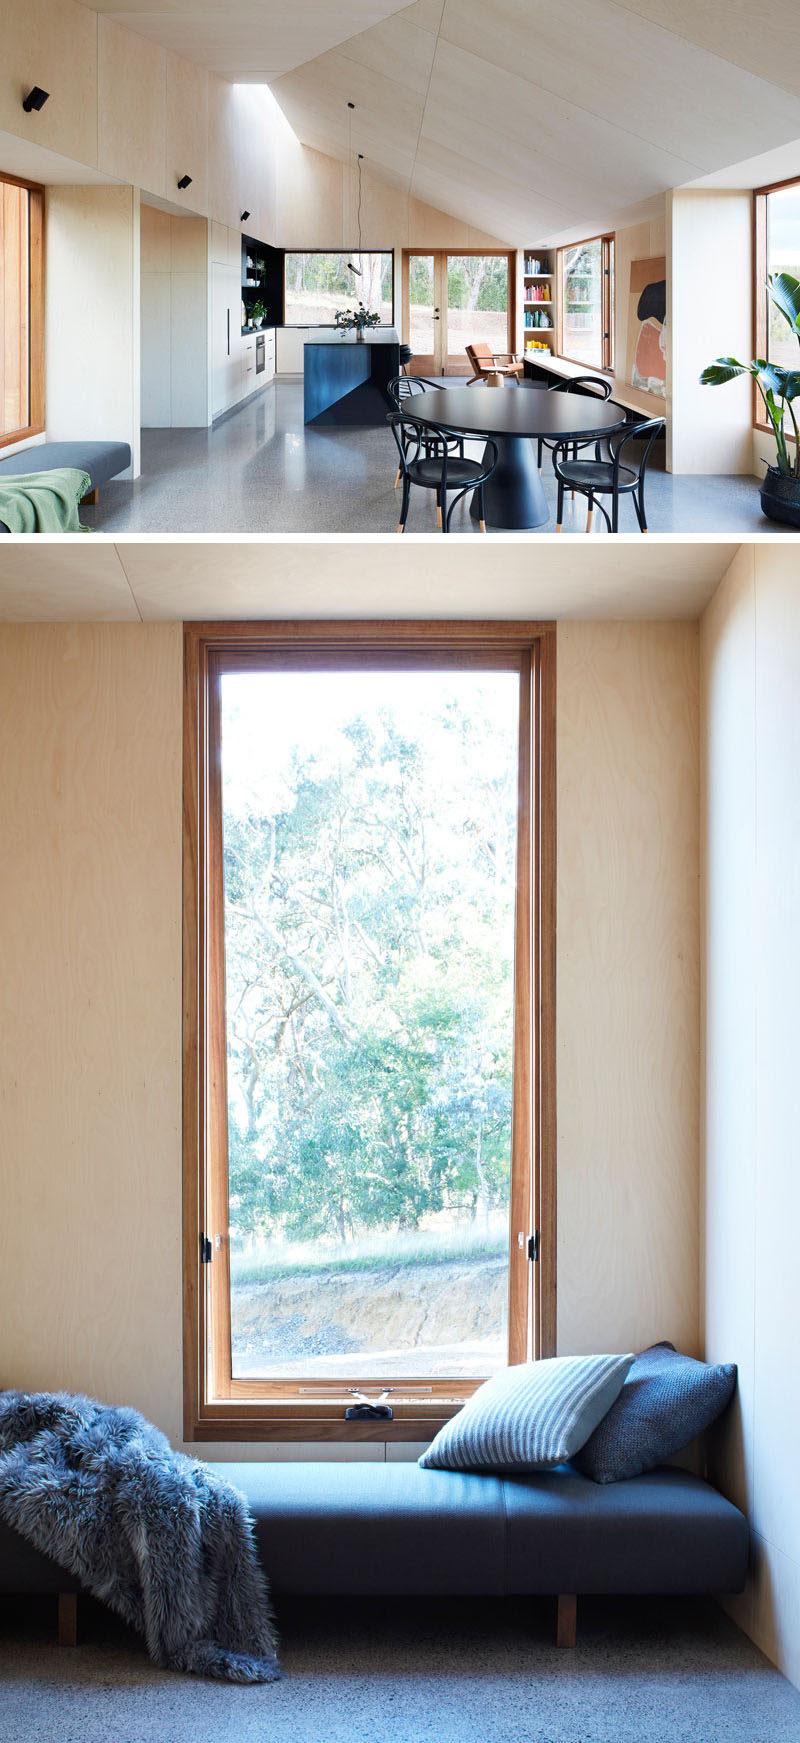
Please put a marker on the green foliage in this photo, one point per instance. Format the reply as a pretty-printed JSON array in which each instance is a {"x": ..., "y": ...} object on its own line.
[
  {"x": 778, "y": 387},
  {"x": 369, "y": 935}
]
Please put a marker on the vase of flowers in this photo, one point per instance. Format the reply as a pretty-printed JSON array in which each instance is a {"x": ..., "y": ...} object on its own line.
[
  {"x": 779, "y": 388},
  {"x": 348, "y": 320}
]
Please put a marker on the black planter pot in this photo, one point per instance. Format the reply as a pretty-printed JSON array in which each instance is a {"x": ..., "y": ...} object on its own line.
[{"x": 780, "y": 497}]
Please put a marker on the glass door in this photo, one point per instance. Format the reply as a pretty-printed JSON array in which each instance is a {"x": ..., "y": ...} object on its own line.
[
  {"x": 422, "y": 313},
  {"x": 454, "y": 300},
  {"x": 477, "y": 307}
]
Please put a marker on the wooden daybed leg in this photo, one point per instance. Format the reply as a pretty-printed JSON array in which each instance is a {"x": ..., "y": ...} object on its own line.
[
  {"x": 67, "y": 1618},
  {"x": 91, "y": 498},
  {"x": 567, "y": 1625}
]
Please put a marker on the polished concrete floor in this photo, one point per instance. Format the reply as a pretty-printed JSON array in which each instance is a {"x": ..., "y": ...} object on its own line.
[
  {"x": 485, "y": 1671},
  {"x": 259, "y": 470}
]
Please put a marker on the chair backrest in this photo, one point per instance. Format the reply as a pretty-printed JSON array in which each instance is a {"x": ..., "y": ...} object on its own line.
[
  {"x": 595, "y": 383},
  {"x": 481, "y": 357},
  {"x": 403, "y": 387},
  {"x": 647, "y": 432}
]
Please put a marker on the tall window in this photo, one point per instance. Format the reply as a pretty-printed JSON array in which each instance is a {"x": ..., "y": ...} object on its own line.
[
  {"x": 317, "y": 284},
  {"x": 21, "y": 317},
  {"x": 586, "y": 302},
  {"x": 777, "y": 215},
  {"x": 367, "y": 1177}
]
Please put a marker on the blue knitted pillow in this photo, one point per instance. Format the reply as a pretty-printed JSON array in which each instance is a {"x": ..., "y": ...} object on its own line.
[
  {"x": 529, "y": 1417},
  {"x": 666, "y": 1400}
]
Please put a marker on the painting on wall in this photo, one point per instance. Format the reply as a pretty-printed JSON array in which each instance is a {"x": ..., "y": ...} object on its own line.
[{"x": 647, "y": 320}]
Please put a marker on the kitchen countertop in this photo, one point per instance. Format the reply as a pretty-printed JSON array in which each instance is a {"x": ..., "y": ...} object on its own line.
[{"x": 373, "y": 336}]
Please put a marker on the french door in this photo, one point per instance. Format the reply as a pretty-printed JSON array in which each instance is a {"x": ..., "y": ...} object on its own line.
[{"x": 454, "y": 300}]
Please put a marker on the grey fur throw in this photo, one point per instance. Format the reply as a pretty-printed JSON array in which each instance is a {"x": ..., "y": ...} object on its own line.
[{"x": 157, "y": 1536}]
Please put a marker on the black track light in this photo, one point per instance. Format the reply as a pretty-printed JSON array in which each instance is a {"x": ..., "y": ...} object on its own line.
[
  {"x": 184, "y": 181},
  {"x": 35, "y": 99},
  {"x": 243, "y": 216},
  {"x": 355, "y": 269}
]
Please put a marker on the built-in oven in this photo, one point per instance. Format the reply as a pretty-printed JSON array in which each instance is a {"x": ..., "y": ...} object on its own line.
[{"x": 261, "y": 353}]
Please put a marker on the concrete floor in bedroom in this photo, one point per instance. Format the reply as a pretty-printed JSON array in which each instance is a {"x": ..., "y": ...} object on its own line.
[
  {"x": 259, "y": 470},
  {"x": 645, "y": 1671}
]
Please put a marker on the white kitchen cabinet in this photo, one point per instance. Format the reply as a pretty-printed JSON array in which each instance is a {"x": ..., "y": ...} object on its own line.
[{"x": 226, "y": 341}]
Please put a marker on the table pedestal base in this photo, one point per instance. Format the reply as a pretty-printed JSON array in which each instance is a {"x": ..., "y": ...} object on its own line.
[{"x": 514, "y": 496}]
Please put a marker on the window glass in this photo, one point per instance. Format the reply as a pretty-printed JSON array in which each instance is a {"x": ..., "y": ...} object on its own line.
[
  {"x": 783, "y": 255},
  {"x": 370, "y": 837},
  {"x": 316, "y": 285},
  {"x": 582, "y": 303}
]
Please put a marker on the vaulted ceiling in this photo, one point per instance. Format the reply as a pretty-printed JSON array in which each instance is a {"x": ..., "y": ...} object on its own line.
[{"x": 525, "y": 118}]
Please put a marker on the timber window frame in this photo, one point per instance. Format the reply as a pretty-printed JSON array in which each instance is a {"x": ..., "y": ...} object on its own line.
[
  {"x": 26, "y": 321},
  {"x": 607, "y": 301},
  {"x": 761, "y": 302},
  {"x": 217, "y": 1407}
]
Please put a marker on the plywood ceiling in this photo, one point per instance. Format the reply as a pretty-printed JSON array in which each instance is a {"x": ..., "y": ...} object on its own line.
[
  {"x": 521, "y": 117},
  {"x": 146, "y": 581}
]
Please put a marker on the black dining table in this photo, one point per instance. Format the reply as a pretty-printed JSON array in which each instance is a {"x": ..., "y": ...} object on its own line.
[{"x": 514, "y": 417}]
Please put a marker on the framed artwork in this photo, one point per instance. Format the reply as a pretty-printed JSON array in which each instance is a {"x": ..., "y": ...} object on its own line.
[{"x": 647, "y": 319}]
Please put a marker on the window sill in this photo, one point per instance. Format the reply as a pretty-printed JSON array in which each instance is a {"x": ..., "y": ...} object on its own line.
[{"x": 298, "y": 1426}]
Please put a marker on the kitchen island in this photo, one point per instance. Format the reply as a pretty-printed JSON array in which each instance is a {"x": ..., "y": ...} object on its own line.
[{"x": 345, "y": 378}]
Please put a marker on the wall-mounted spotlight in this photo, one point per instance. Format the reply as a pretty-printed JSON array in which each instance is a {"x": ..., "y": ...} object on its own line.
[
  {"x": 35, "y": 99},
  {"x": 184, "y": 181},
  {"x": 355, "y": 269},
  {"x": 243, "y": 216}
]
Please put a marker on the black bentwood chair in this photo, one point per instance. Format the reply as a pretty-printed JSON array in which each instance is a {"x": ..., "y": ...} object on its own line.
[
  {"x": 595, "y": 478},
  {"x": 441, "y": 470},
  {"x": 403, "y": 388},
  {"x": 595, "y": 383}
]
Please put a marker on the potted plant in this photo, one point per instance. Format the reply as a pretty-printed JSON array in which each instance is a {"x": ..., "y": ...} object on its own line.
[
  {"x": 258, "y": 313},
  {"x": 779, "y": 388},
  {"x": 359, "y": 318}
]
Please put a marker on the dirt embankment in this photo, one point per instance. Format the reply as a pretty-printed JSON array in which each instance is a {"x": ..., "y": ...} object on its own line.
[{"x": 405, "y": 1307}]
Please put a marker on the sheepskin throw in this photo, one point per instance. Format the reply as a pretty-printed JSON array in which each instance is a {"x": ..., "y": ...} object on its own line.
[{"x": 157, "y": 1536}]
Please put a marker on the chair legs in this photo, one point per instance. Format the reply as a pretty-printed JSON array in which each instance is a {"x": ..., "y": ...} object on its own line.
[
  {"x": 401, "y": 527},
  {"x": 482, "y": 521},
  {"x": 590, "y": 515},
  {"x": 560, "y": 509}
]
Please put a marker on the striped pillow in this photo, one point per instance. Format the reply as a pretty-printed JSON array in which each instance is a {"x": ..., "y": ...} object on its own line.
[{"x": 531, "y": 1417}]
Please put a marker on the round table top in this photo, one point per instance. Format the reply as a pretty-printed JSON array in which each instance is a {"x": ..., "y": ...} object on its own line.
[{"x": 517, "y": 411}]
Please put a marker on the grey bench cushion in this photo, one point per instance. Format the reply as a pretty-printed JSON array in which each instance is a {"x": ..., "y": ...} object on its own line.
[
  {"x": 102, "y": 460},
  {"x": 372, "y": 1529},
  {"x": 396, "y": 1529}
]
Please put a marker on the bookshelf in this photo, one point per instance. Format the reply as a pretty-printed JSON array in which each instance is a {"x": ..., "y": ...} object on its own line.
[{"x": 538, "y": 303}]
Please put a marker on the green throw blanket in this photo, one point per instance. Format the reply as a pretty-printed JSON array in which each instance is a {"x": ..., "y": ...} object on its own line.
[{"x": 43, "y": 502}]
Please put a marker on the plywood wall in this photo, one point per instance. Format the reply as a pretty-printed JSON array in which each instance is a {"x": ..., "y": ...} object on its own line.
[
  {"x": 750, "y": 1180},
  {"x": 90, "y": 1003},
  {"x": 92, "y": 291},
  {"x": 709, "y": 315},
  {"x": 628, "y": 985}
]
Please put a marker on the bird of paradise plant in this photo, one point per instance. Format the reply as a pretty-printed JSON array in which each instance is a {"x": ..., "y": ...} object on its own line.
[{"x": 778, "y": 387}]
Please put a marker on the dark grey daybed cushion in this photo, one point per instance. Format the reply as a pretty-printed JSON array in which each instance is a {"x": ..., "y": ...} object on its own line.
[
  {"x": 667, "y": 1400},
  {"x": 375, "y": 1529},
  {"x": 102, "y": 460},
  {"x": 530, "y": 1417}
]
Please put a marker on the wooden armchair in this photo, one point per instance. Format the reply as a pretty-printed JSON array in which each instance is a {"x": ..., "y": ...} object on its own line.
[{"x": 491, "y": 366}]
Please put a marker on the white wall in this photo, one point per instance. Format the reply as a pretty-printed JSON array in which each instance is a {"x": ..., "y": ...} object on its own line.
[
  {"x": 750, "y": 642},
  {"x": 709, "y": 315},
  {"x": 174, "y": 320},
  {"x": 92, "y": 294},
  {"x": 90, "y": 1004}
]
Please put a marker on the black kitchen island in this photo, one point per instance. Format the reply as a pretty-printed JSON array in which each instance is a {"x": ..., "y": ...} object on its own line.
[{"x": 345, "y": 378}]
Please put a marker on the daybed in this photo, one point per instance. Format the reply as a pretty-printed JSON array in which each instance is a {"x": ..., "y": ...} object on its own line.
[
  {"x": 101, "y": 460},
  {"x": 374, "y": 1529}
]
